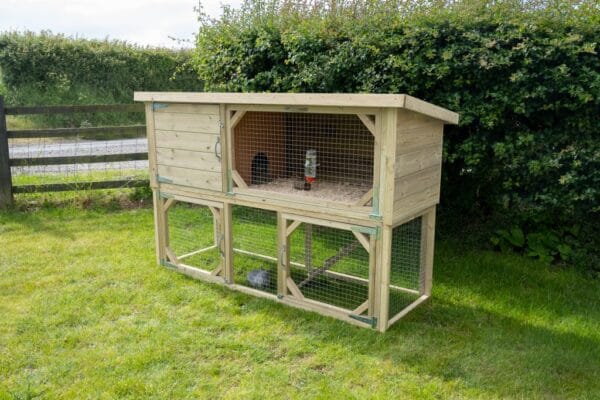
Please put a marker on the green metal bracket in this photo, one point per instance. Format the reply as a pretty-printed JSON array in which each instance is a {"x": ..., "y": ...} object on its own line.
[
  {"x": 375, "y": 214},
  {"x": 168, "y": 264},
  {"x": 229, "y": 183},
  {"x": 162, "y": 179},
  {"x": 367, "y": 320},
  {"x": 368, "y": 230},
  {"x": 158, "y": 106}
]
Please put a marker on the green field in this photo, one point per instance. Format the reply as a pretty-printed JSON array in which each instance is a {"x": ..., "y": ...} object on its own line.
[{"x": 86, "y": 313}]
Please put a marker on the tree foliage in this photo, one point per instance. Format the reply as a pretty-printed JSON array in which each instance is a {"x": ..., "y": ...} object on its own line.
[{"x": 48, "y": 69}]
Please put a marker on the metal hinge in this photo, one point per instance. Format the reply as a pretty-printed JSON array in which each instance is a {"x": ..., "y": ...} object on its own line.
[
  {"x": 367, "y": 320},
  {"x": 162, "y": 179},
  {"x": 158, "y": 106},
  {"x": 221, "y": 124},
  {"x": 375, "y": 214}
]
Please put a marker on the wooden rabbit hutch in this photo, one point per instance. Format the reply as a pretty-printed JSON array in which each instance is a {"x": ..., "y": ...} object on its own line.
[{"x": 325, "y": 202}]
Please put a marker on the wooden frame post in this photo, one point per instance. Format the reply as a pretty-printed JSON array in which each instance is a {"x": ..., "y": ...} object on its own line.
[
  {"x": 227, "y": 218},
  {"x": 160, "y": 226},
  {"x": 382, "y": 285},
  {"x": 283, "y": 255},
  {"x": 6, "y": 193},
  {"x": 427, "y": 250}
]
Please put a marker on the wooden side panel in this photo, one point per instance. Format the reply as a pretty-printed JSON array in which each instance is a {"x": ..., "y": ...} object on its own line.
[
  {"x": 188, "y": 159},
  {"x": 418, "y": 163},
  {"x": 204, "y": 120},
  {"x": 187, "y": 137},
  {"x": 186, "y": 141},
  {"x": 190, "y": 177}
]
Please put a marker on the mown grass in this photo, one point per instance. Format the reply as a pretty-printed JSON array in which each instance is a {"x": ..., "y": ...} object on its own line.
[{"x": 87, "y": 313}]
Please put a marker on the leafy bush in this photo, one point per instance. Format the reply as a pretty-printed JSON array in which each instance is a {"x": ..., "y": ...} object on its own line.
[
  {"x": 524, "y": 76},
  {"x": 54, "y": 69}
]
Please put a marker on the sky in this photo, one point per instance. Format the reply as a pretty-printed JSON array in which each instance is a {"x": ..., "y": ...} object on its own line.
[{"x": 144, "y": 22}]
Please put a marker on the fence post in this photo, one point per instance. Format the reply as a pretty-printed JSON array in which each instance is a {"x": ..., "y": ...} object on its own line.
[{"x": 6, "y": 195}]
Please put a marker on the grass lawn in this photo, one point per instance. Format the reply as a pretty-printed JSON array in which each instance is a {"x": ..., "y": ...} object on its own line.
[{"x": 86, "y": 313}]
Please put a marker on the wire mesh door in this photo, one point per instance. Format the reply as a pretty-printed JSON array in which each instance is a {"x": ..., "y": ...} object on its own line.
[
  {"x": 308, "y": 155},
  {"x": 255, "y": 248},
  {"x": 194, "y": 236},
  {"x": 331, "y": 264},
  {"x": 406, "y": 267}
]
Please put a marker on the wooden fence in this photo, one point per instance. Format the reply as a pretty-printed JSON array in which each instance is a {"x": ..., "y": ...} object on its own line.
[{"x": 6, "y": 184}]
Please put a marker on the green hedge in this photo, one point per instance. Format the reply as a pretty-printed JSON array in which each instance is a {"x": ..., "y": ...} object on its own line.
[
  {"x": 524, "y": 76},
  {"x": 50, "y": 69}
]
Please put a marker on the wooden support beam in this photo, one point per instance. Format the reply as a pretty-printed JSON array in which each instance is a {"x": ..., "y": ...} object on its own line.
[
  {"x": 372, "y": 274},
  {"x": 283, "y": 256},
  {"x": 215, "y": 211},
  {"x": 159, "y": 226},
  {"x": 238, "y": 180},
  {"x": 308, "y": 246},
  {"x": 218, "y": 270},
  {"x": 366, "y": 198},
  {"x": 291, "y": 285},
  {"x": 362, "y": 308},
  {"x": 408, "y": 309},
  {"x": 292, "y": 227},
  {"x": 227, "y": 251},
  {"x": 200, "y": 251},
  {"x": 368, "y": 122},
  {"x": 363, "y": 240},
  {"x": 169, "y": 203},
  {"x": 171, "y": 255},
  {"x": 236, "y": 118},
  {"x": 329, "y": 263},
  {"x": 427, "y": 250},
  {"x": 216, "y": 224},
  {"x": 383, "y": 282}
]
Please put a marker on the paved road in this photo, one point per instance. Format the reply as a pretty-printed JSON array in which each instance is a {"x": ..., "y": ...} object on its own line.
[{"x": 79, "y": 148}]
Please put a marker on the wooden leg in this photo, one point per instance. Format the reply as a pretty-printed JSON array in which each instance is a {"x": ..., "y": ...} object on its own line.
[
  {"x": 372, "y": 274},
  {"x": 160, "y": 228},
  {"x": 227, "y": 243},
  {"x": 283, "y": 256},
  {"x": 383, "y": 280},
  {"x": 308, "y": 246},
  {"x": 427, "y": 249}
]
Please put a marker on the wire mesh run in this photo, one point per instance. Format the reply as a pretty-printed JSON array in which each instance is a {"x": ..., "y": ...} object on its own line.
[
  {"x": 406, "y": 275},
  {"x": 330, "y": 265},
  {"x": 255, "y": 248},
  {"x": 321, "y": 156},
  {"x": 195, "y": 236}
]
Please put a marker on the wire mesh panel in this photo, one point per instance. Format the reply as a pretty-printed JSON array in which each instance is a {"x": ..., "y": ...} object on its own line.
[
  {"x": 330, "y": 265},
  {"x": 255, "y": 248},
  {"x": 321, "y": 156},
  {"x": 195, "y": 236},
  {"x": 406, "y": 267}
]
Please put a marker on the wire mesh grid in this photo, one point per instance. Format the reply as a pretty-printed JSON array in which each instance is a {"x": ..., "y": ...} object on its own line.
[
  {"x": 255, "y": 248},
  {"x": 329, "y": 265},
  {"x": 323, "y": 156},
  {"x": 195, "y": 236},
  {"x": 24, "y": 151},
  {"x": 406, "y": 273}
]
